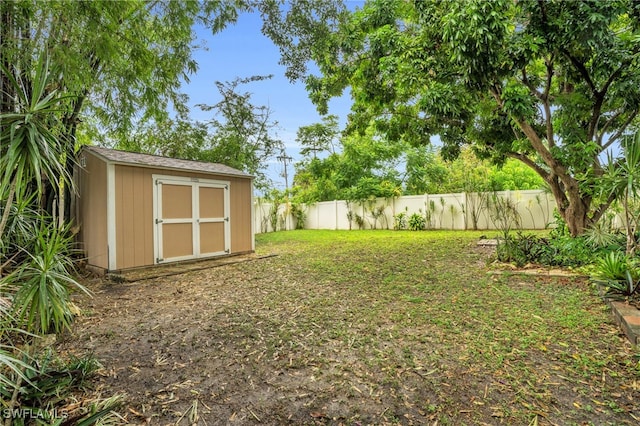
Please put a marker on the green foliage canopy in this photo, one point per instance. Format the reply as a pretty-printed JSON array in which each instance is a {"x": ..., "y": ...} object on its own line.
[
  {"x": 361, "y": 171},
  {"x": 240, "y": 134},
  {"x": 553, "y": 84},
  {"x": 121, "y": 61}
]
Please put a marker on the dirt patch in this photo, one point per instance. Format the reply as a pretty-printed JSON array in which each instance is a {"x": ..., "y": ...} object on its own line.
[{"x": 294, "y": 339}]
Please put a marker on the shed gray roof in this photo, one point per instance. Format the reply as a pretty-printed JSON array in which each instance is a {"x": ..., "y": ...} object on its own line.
[{"x": 147, "y": 160}]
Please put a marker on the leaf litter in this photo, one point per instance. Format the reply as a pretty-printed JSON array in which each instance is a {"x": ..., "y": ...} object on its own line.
[{"x": 386, "y": 330}]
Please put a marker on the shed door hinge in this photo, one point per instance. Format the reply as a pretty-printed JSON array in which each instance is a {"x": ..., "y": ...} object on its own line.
[
  {"x": 158, "y": 260},
  {"x": 158, "y": 221},
  {"x": 226, "y": 219}
]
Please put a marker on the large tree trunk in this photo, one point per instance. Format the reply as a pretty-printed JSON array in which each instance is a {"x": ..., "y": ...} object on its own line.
[
  {"x": 576, "y": 216},
  {"x": 572, "y": 205}
]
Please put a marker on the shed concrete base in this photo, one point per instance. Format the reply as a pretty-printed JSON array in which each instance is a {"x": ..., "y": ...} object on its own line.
[{"x": 176, "y": 268}]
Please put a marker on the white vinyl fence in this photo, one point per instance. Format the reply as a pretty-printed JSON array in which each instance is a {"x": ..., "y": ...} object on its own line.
[{"x": 532, "y": 209}]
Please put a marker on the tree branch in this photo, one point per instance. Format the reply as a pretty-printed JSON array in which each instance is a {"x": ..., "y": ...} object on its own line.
[
  {"x": 582, "y": 70},
  {"x": 547, "y": 106},
  {"x": 606, "y": 125},
  {"x": 531, "y": 87},
  {"x": 602, "y": 208},
  {"x": 599, "y": 100},
  {"x": 544, "y": 174},
  {"x": 621, "y": 130}
]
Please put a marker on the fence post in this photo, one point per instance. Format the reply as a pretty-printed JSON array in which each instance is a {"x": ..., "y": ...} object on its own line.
[{"x": 465, "y": 211}]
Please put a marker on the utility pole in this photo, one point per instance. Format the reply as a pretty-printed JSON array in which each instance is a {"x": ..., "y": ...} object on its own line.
[{"x": 285, "y": 159}]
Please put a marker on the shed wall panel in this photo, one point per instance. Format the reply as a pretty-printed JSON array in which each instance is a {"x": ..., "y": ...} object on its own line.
[
  {"x": 92, "y": 210},
  {"x": 134, "y": 228},
  {"x": 134, "y": 213},
  {"x": 240, "y": 215}
]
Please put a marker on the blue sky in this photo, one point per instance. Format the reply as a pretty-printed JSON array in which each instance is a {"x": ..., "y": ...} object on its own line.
[{"x": 242, "y": 51}]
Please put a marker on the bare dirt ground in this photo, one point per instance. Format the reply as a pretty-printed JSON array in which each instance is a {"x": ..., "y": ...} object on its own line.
[{"x": 266, "y": 342}]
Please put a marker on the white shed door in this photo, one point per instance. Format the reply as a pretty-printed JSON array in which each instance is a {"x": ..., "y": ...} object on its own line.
[{"x": 191, "y": 218}]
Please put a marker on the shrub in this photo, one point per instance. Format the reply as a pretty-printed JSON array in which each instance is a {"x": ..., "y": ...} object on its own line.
[
  {"x": 299, "y": 213},
  {"x": 617, "y": 274},
  {"x": 44, "y": 282},
  {"x": 400, "y": 221},
  {"x": 559, "y": 251},
  {"x": 417, "y": 222}
]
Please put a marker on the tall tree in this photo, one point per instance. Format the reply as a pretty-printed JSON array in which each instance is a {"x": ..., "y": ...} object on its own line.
[
  {"x": 243, "y": 134},
  {"x": 366, "y": 166},
  {"x": 318, "y": 137},
  {"x": 551, "y": 83},
  {"x": 115, "y": 62},
  {"x": 240, "y": 133}
]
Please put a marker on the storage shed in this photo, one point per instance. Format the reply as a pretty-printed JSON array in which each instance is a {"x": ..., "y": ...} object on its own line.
[{"x": 137, "y": 210}]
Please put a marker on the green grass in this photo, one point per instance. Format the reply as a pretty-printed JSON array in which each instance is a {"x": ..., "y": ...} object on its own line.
[
  {"x": 364, "y": 327},
  {"x": 516, "y": 347}
]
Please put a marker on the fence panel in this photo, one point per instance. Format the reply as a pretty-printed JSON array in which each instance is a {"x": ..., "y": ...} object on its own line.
[{"x": 533, "y": 209}]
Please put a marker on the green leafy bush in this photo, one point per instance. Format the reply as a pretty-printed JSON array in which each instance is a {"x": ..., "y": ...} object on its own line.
[
  {"x": 617, "y": 274},
  {"x": 299, "y": 213},
  {"x": 559, "y": 251},
  {"x": 417, "y": 222},
  {"x": 400, "y": 221},
  {"x": 44, "y": 281},
  {"x": 47, "y": 384}
]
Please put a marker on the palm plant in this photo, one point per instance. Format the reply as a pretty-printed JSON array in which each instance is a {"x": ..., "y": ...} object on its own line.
[
  {"x": 618, "y": 274},
  {"x": 622, "y": 180},
  {"x": 44, "y": 280},
  {"x": 20, "y": 232},
  {"x": 36, "y": 255},
  {"x": 31, "y": 136}
]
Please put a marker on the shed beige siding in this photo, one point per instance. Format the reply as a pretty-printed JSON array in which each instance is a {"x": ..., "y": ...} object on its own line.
[
  {"x": 91, "y": 216},
  {"x": 135, "y": 221},
  {"x": 241, "y": 215},
  {"x": 134, "y": 217}
]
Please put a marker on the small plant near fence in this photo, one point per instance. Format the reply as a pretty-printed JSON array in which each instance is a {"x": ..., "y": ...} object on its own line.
[
  {"x": 558, "y": 249},
  {"x": 476, "y": 202},
  {"x": 273, "y": 216},
  {"x": 452, "y": 212},
  {"x": 503, "y": 213},
  {"x": 417, "y": 222},
  {"x": 400, "y": 220},
  {"x": 351, "y": 215},
  {"x": 429, "y": 214},
  {"x": 376, "y": 213},
  {"x": 299, "y": 213},
  {"x": 443, "y": 203}
]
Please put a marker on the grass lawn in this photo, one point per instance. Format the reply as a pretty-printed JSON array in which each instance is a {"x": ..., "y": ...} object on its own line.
[{"x": 361, "y": 327}]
